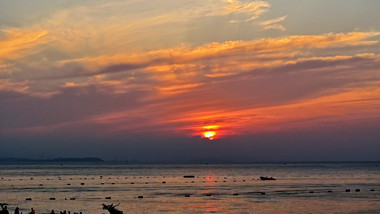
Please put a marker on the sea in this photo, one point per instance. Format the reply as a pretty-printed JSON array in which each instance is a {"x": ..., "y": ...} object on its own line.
[{"x": 186, "y": 188}]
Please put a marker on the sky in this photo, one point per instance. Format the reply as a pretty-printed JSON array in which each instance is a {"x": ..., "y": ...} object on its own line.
[{"x": 190, "y": 80}]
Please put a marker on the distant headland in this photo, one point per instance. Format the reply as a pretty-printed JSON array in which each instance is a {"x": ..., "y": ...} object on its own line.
[{"x": 55, "y": 160}]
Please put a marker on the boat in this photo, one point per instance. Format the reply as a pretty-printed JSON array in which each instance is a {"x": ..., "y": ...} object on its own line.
[{"x": 267, "y": 178}]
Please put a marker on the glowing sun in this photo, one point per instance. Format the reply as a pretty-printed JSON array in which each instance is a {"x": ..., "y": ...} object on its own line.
[{"x": 209, "y": 134}]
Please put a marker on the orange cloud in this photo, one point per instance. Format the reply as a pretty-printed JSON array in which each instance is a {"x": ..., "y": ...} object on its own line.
[{"x": 18, "y": 43}]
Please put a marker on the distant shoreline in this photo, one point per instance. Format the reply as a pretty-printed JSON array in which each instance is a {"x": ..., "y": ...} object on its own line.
[
  {"x": 55, "y": 160},
  {"x": 91, "y": 160}
]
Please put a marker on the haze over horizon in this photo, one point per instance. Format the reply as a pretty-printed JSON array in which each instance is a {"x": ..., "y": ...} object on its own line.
[{"x": 185, "y": 81}]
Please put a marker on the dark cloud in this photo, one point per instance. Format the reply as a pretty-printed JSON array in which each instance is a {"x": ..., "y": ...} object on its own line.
[{"x": 70, "y": 105}]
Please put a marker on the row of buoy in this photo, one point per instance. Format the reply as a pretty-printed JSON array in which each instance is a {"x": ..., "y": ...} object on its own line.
[
  {"x": 52, "y": 199},
  {"x": 207, "y": 194}
]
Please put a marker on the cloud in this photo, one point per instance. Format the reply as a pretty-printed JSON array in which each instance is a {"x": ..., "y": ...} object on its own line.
[
  {"x": 273, "y": 24},
  {"x": 18, "y": 42},
  {"x": 251, "y": 10}
]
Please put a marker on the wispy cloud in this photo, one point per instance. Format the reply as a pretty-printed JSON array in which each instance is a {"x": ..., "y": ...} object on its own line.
[
  {"x": 19, "y": 42},
  {"x": 250, "y": 10},
  {"x": 273, "y": 24}
]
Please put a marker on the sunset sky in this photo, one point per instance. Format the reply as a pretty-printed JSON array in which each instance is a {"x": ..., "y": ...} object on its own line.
[{"x": 190, "y": 80}]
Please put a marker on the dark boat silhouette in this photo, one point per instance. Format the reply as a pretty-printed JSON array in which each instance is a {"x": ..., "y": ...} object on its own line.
[{"x": 267, "y": 178}]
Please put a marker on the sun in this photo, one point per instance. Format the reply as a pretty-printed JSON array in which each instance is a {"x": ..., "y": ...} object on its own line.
[{"x": 209, "y": 134}]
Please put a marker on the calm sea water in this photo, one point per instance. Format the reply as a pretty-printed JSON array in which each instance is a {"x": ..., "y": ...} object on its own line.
[{"x": 299, "y": 188}]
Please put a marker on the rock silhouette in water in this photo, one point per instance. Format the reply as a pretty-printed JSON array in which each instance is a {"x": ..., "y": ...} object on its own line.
[{"x": 112, "y": 209}]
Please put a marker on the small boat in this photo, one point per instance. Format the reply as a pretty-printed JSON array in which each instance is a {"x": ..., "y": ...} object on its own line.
[{"x": 267, "y": 178}]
